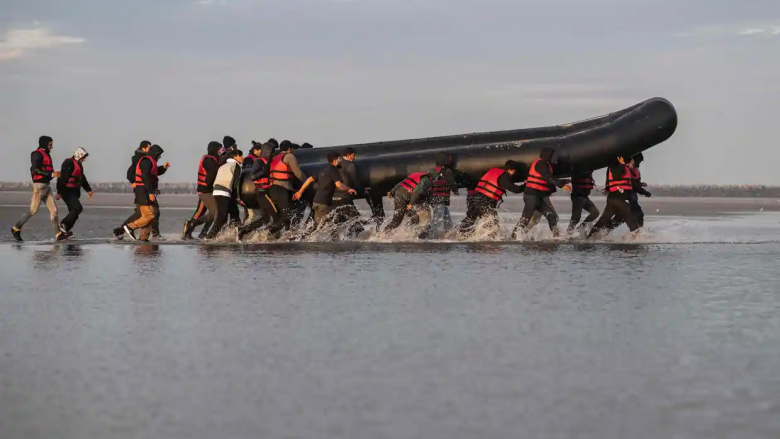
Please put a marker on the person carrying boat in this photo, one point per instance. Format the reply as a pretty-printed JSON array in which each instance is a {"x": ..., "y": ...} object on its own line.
[
  {"x": 412, "y": 196},
  {"x": 633, "y": 198},
  {"x": 539, "y": 185},
  {"x": 344, "y": 209},
  {"x": 284, "y": 172},
  {"x": 581, "y": 185},
  {"x": 442, "y": 187},
  {"x": 328, "y": 181},
  {"x": 69, "y": 184},
  {"x": 206, "y": 210},
  {"x": 260, "y": 173},
  {"x": 226, "y": 191},
  {"x": 619, "y": 187},
  {"x": 488, "y": 194},
  {"x": 42, "y": 172}
]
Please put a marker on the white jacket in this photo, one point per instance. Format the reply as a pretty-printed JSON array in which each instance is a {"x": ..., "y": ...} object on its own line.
[{"x": 228, "y": 178}]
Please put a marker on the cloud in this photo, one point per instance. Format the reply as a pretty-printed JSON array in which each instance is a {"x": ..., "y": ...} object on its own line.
[
  {"x": 771, "y": 27},
  {"x": 16, "y": 42},
  {"x": 751, "y": 31}
]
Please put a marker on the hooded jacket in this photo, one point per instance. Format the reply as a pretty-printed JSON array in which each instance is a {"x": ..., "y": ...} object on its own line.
[
  {"x": 211, "y": 167},
  {"x": 36, "y": 161},
  {"x": 137, "y": 156},
  {"x": 66, "y": 171}
]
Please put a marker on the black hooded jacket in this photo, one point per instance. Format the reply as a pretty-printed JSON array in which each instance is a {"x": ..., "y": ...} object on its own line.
[
  {"x": 36, "y": 161},
  {"x": 150, "y": 181},
  {"x": 259, "y": 169},
  {"x": 134, "y": 162},
  {"x": 211, "y": 167}
]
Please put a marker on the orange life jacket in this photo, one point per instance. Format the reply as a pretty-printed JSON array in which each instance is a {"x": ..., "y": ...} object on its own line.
[
  {"x": 263, "y": 183},
  {"x": 535, "y": 180},
  {"x": 411, "y": 182},
  {"x": 279, "y": 170},
  {"x": 441, "y": 189},
  {"x": 139, "y": 181},
  {"x": 45, "y": 167},
  {"x": 75, "y": 178},
  {"x": 488, "y": 184},
  {"x": 620, "y": 184},
  {"x": 202, "y": 171}
]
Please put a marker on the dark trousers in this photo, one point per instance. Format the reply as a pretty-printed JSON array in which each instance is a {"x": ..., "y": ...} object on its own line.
[
  {"x": 578, "y": 203},
  {"x": 71, "y": 200},
  {"x": 270, "y": 213},
  {"x": 401, "y": 200},
  {"x": 346, "y": 212},
  {"x": 225, "y": 207},
  {"x": 478, "y": 207},
  {"x": 617, "y": 204},
  {"x": 282, "y": 199},
  {"x": 205, "y": 213},
  {"x": 155, "y": 222},
  {"x": 636, "y": 211},
  {"x": 377, "y": 210},
  {"x": 533, "y": 202}
]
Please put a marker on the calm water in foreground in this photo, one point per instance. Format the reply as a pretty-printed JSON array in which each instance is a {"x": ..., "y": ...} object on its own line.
[{"x": 674, "y": 337}]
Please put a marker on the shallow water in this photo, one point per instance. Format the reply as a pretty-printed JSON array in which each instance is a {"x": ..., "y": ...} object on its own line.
[{"x": 675, "y": 336}]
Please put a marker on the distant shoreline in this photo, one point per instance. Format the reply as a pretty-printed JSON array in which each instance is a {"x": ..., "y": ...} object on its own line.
[{"x": 687, "y": 191}]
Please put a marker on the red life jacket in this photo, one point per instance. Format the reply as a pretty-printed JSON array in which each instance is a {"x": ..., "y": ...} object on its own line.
[
  {"x": 75, "y": 177},
  {"x": 535, "y": 180},
  {"x": 263, "y": 183},
  {"x": 45, "y": 167},
  {"x": 621, "y": 183},
  {"x": 583, "y": 181},
  {"x": 635, "y": 174},
  {"x": 488, "y": 184},
  {"x": 470, "y": 192},
  {"x": 441, "y": 189},
  {"x": 139, "y": 181},
  {"x": 202, "y": 171},
  {"x": 411, "y": 182},
  {"x": 279, "y": 170}
]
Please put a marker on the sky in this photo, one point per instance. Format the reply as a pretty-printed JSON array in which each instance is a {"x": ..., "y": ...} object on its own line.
[{"x": 106, "y": 75}]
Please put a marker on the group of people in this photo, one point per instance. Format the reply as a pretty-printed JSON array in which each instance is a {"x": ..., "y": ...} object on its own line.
[{"x": 281, "y": 194}]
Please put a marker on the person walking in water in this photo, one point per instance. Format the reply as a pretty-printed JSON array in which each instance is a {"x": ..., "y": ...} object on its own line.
[
  {"x": 582, "y": 184},
  {"x": 539, "y": 185},
  {"x": 69, "y": 184},
  {"x": 488, "y": 194},
  {"x": 42, "y": 172},
  {"x": 145, "y": 188},
  {"x": 226, "y": 190},
  {"x": 207, "y": 206},
  {"x": 619, "y": 188}
]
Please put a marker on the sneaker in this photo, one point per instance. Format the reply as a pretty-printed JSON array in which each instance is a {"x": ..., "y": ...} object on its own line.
[
  {"x": 119, "y": 233},
  {"x": 130, "y": 233},
  {"x": 187, "y": 233},
  {"x": 62, "y": 236},
  {"x": 17, "y": 234},
  {"x": 63, "y": 229}
]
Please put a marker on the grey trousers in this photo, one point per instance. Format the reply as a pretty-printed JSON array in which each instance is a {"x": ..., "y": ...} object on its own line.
[{"x": 41, "y": 194}]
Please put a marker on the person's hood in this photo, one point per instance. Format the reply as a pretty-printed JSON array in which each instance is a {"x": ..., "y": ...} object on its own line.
[
  {"x": 266, "y": 150},
  {"x": 80, "y": 153},
  {"x": 229, "y": 142},
  {"x": 155, "y": 151},
  {"x": 43, "y": 143},
  {"x": 213, "y": 148},
  {"x": 547, "y": 154}
]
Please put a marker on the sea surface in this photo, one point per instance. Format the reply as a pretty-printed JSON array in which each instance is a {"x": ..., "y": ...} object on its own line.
[{"x": 673, "y": 335}]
